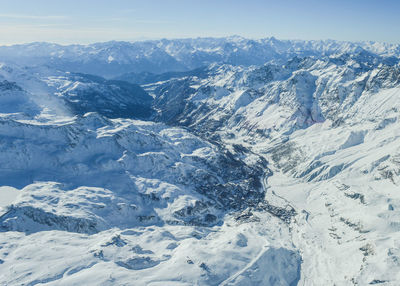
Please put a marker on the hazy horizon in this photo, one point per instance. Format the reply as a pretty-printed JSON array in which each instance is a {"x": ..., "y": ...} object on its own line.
[{"x": 143, "y": 39}]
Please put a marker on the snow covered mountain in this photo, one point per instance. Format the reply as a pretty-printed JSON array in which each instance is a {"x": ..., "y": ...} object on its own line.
[
  {"x": 112, "y": 59},
  {"x": 200, "y": 162}
]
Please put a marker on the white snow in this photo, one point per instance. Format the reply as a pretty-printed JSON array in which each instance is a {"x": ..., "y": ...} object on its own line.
[
  {"x": 89, "y": 200},
  {"x": 7, "y": 195}
]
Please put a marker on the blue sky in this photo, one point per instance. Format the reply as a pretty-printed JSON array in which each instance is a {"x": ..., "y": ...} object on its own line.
[{"x": 87, "y": 21}]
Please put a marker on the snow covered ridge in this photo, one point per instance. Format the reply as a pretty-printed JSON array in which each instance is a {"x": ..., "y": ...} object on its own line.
[
  {"x": 125, "y": 179},
  {"x": 111, "y": 59},
  {"x": 147, "y": 162},
  {"x": 247, "y": 162},
  {"x": 115, "y": 99},
  {"x": 300, "y": 93}
]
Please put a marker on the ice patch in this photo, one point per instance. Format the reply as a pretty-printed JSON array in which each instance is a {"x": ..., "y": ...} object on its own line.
[{"x": 355, "y": 138}]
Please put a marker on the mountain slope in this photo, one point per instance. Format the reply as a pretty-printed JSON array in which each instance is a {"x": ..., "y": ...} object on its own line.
[{"x": 254, "y": 162}]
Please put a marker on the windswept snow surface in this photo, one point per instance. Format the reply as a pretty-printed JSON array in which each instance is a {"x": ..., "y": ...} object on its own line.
[
  {"x": 115, "y": 201},
  {"x": 270, "y": 163}
]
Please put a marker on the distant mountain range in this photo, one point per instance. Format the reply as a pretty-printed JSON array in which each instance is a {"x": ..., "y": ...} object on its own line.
[{"x": 112, "y": 59}]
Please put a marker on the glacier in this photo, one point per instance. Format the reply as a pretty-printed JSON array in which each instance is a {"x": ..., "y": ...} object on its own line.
[{"x": 208, "y": 161}]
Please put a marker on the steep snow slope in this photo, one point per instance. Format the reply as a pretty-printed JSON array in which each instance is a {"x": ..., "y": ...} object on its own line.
[
  {"x": 329, "y": 129},
  {"x": 299, "y": 93},
  {"x": 344, "y": 179},
  {"x": 42, "y": 90},
  {"x": 114, "y": 99},
  {"x": 277, "y": 164}
]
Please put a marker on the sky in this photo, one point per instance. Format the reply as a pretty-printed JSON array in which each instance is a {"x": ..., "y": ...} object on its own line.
[{"x": 88, "y": 21}]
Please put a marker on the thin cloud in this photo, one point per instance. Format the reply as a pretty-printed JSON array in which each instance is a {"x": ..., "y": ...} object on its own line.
[
  {"x": 33, "y": 17},
  {"x": 128, "y": 10},
  {"x": 19, "y": 34},
  {"x": 152, "y": 22}
]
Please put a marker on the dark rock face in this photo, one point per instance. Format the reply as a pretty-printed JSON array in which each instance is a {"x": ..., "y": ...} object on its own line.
[
  {"x": 14, "y": 98},
  {"x": 9, "y": 86},
  {"x": 240, "y": 186},
  {"x": 148, "y": 77},
  {"x": 111, "y": 98},
  {"x": 227, "y": 183},
  {"x": 44, "y": 221},
  {"x": 171, "y": 101}
]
